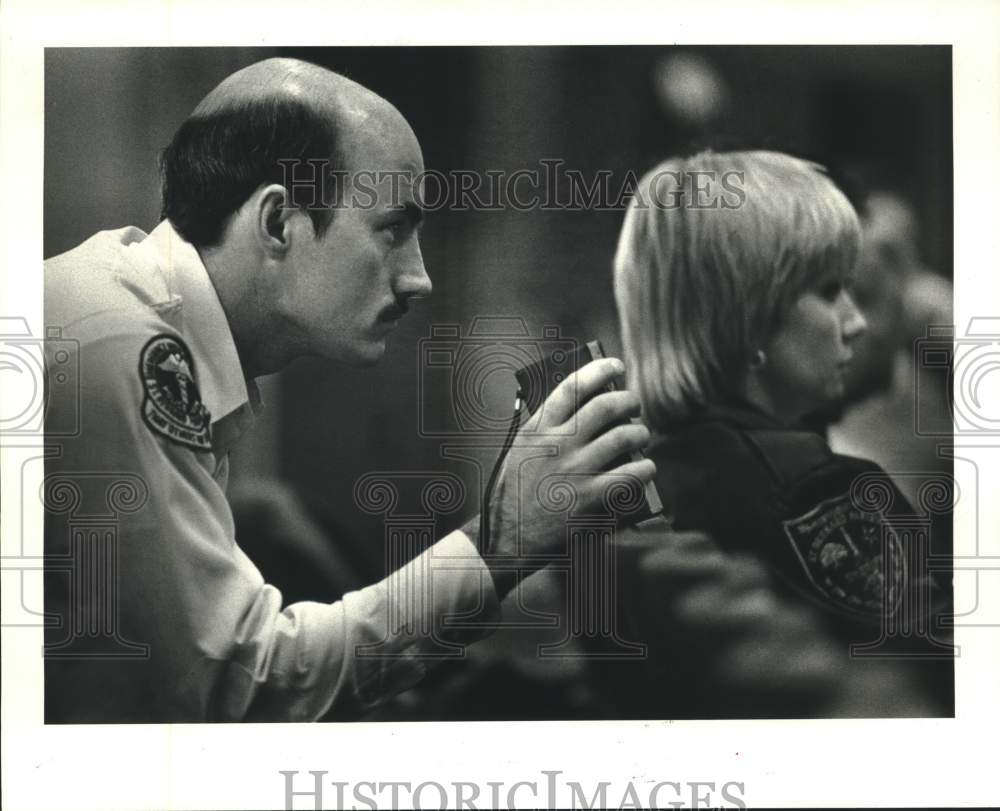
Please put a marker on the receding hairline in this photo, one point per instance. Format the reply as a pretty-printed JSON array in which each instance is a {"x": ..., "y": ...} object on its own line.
[{"x": 349, "y": 104}]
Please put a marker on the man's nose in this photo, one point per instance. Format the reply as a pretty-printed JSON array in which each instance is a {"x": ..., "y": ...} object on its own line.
[
  {"x": 412, "y": 280},
  {"x": 853, "y": 320}
]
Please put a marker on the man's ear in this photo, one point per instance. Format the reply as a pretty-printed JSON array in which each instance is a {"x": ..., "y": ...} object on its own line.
[{"x": 273, "y": 213}]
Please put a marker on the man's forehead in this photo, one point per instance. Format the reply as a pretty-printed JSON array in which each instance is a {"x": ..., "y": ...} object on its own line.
[
  {"x": 384, "y": 163},
  {"x": 381, "y": 143}
]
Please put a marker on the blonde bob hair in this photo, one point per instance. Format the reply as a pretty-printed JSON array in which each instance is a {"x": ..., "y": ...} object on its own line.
[{"x": 713, "y": 250}]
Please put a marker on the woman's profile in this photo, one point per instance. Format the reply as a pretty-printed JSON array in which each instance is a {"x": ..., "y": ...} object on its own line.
[{"x": 732, "y": 281}]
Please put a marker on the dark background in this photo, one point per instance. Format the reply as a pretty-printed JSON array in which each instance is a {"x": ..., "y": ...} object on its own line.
[{"x": 881, "y": 116}]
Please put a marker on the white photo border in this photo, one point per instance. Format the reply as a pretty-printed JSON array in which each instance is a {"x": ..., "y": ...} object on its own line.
[{"x": 931, "y": 762}]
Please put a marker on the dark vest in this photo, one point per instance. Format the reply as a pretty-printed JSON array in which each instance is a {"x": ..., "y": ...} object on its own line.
[{"x": 834, "y": 530}]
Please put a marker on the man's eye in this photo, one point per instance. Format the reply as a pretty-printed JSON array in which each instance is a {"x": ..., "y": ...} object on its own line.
[{"x": 396, "y": 229}]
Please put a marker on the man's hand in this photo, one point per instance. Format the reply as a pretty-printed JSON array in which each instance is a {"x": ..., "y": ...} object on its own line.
[{"x": 558, "y": 463}]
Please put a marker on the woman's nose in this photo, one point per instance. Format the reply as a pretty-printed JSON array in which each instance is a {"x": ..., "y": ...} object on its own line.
[{"x": 853, "y": 320}]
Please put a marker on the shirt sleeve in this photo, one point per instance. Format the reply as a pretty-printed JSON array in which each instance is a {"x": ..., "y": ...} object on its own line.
[
  {"x": 858, "y": 543},
  {"x": 220, "y": 645}
]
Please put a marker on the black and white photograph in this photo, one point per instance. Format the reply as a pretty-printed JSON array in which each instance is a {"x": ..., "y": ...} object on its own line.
[{"x": 486, "y": 401}]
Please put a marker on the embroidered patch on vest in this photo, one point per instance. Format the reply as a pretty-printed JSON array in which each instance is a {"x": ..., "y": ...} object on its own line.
[
  {"x": 171, "y": 405},
  {"x": 853, "y": 557}
]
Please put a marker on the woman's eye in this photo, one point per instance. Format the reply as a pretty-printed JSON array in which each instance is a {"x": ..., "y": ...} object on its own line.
[{"x": 830, "y": 290}]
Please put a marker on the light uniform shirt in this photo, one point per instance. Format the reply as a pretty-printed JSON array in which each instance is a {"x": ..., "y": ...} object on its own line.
[{"x": 155, "y": 612}]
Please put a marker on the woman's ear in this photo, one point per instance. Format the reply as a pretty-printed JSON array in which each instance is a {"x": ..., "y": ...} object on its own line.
[
  {"x": 271, "y": 222},
  {"x": 756, "y": 388}
]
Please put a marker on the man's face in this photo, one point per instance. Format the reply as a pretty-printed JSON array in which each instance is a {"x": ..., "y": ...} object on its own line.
[{"x": 345, "y": 291}]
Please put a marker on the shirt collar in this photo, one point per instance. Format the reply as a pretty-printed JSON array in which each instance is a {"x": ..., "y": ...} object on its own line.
[
  {"x": 223, "y": 387},
  {"x": 744, "y": 414},
  {"x": 741, "y": 413}
]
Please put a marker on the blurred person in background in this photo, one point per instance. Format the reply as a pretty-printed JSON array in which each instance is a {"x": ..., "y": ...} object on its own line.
[
  {"x": 297, "y": 554},
  {"x": 900, "y": 298},
  {"x": 738, "y": 322}
]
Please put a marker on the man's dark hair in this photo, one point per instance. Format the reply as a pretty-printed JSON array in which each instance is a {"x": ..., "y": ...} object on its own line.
[{"x": 216, "y": 161}]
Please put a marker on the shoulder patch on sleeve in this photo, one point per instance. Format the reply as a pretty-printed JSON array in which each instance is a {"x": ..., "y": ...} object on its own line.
[
  {"x": 171, "y": 404},
  {"x": 852, "y": 556}
]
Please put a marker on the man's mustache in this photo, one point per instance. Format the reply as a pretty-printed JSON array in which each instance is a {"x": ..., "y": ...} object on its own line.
[{"x": 394, "y": 312}]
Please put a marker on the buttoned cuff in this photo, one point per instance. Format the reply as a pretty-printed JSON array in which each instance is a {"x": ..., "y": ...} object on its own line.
[{"x": 464, "y": 597}]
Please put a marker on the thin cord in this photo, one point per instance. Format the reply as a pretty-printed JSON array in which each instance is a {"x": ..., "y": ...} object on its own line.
[{"x": 484, "y": 515}]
